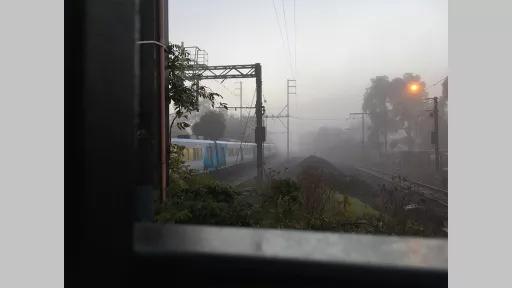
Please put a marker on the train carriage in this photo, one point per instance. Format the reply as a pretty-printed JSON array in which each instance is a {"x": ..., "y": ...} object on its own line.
[{"x": 206, "y": 155}]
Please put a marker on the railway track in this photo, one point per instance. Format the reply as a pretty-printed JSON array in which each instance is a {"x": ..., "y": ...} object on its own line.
[{"x": 436, "y": 194}]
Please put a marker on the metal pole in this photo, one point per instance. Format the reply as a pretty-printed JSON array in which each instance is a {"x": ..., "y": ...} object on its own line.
[
  {"x": 436, "y": 132},
  {"x": 288, "y": 119},
  {"x": 362, "y": 131},
  {"x": 259, "y": 125},
  {"x": 241, "y": 122},
  {"x": 164, "y": 118},
  {"x": 241, "y": 125}
]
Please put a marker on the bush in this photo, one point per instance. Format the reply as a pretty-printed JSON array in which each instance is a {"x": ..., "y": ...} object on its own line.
[
  {"x": 283, "y": 203},
  {"x": 204, "y": 201}
]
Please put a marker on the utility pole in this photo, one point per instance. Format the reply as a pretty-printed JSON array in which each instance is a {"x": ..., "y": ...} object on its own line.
[
  {"x": 287, "y": 119},
  {"x": 362, "y": 114},
  {"x": 241, "y": 123},
  {"x": 260, "y": 129},
  {"x": 288, "y": 93},
  {"x": 413, "y": 89},
  {"x": 436, "y": 134},
  {"x": 362, "y": 118}
]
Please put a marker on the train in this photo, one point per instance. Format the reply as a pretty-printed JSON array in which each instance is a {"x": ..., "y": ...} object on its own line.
[{"x": 207, "y": 155}]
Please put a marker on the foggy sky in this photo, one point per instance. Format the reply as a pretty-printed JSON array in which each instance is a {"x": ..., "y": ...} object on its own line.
[{"x": 339, "y": 46}]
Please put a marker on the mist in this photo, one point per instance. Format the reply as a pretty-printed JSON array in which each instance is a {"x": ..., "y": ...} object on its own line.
[{"x": 333, "y": 50}]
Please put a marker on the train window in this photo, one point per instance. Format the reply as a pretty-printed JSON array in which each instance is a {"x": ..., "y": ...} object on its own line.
[
  {"x": 196, "y": 154},
  {"x": 189, "y": 154}
]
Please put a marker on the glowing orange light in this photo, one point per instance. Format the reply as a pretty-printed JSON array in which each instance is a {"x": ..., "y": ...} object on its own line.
[{"x": 414, "y": 88}]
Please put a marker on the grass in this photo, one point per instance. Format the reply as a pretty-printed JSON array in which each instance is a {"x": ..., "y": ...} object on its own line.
[{"x": 358, "y": 208}]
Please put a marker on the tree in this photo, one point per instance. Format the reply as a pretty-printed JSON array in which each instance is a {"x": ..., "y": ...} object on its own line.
[
  {"x": 391, "y": 108},
  {"x": 211, "y": 125},
  {"x": 176, "y": 132},
  {"x": 375, "y": 103},
  {"x": 204, "y": 106},
  {"x": 184, "y": 95},
  {"x": 407, "y": 110}
]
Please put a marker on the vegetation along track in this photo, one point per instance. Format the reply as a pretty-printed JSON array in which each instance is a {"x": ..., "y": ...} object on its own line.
[{"x": 433, "y": 193}]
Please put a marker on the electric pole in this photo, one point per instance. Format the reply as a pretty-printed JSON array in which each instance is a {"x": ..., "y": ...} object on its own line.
[
  {"x": 260, "y": 129},
  {"x": 436, "y": 135},
  {"x": 362, "y": 118},
  {"x": 415, "y": 88},
  {"x": 288, "y": 93},
  {"x": 362, "y": 114},
  {"x": 241, "y": 123}
]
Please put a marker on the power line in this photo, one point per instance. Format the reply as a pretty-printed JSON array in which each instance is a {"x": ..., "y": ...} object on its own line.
[
  {"x": 295, "y": 53},
  {"x": 318, "y": 119},
  {"x": 248, "y": 116},
  {"x": 226, "y": 88},
  {"x": 286, "y": 33},
  {"x": 295, "y": 37},
  {"x": 246, "y": 123},
  {"x": 282, "y": 37},
  {"x": 438, "y": 81}
]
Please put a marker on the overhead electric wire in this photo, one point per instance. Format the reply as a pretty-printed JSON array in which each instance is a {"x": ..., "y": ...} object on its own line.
[
  {"x": 282, "y": 37},
  {"x": 294, "y": 38},
  {"x": 286, "y": 33},
  {"x": 226, "y": 88},
  {"x": 438, "y": 81},
  {"x": 278, "y": 114},
  {"x": 249, "y": 113},
  {"x": 318, "y": 119},
  {"x": 247, "y": 122}
]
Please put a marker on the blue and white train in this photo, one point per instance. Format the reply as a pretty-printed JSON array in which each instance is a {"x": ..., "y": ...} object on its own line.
[{"x": 206, "y": 155}]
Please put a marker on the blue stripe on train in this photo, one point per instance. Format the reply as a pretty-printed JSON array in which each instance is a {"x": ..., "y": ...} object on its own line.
[{"x": 214, "y": 156}]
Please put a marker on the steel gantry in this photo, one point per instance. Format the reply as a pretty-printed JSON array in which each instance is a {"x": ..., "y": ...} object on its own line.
[
  {"x": 203, "y": 72},
  {"x": 197, "y": 72}
]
